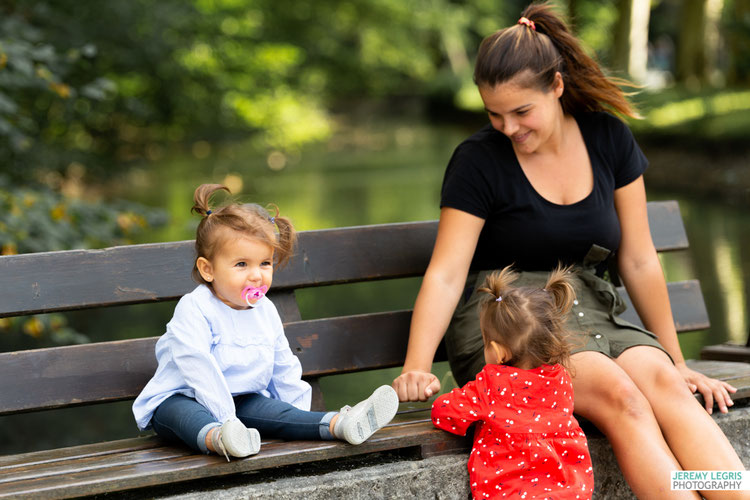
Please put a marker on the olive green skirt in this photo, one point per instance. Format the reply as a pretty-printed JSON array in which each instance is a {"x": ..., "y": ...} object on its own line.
[{"x": 593, "y": 321}]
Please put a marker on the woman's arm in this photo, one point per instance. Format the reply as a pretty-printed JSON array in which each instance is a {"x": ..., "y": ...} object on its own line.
[
  {"x": 643, "y": 277},
  {"x": 458, "y": 233}
]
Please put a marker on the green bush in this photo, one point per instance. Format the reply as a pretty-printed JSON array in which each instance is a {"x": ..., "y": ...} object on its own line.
[{"x": 38, "y": 219}]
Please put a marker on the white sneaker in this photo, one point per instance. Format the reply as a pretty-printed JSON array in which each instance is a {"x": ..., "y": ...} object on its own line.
[
  {"x": 356, "y": 424},
  {"x": 234, "y": 439}
]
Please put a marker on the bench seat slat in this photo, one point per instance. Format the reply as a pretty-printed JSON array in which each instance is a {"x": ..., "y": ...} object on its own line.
[
  {"x": 92, "y": 463},
  {"x": 727, "y": 352},
  {"x": 76, "y": 452},
  {"x": 720, "y": 369},
  {"x": 277, "y": 454}
]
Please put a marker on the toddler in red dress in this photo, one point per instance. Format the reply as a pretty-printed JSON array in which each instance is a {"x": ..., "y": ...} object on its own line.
[{"x": 527, "y": 443}]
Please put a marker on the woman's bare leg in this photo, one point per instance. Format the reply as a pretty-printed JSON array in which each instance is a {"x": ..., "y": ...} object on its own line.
[
  {"x": 605, "y": 395},
  {"x": 693, "y": 436}
]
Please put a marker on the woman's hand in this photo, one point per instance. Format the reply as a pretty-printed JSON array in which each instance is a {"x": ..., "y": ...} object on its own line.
[
  {"x": 416, "y": 385},
  {"x": 710, "y": 388}
]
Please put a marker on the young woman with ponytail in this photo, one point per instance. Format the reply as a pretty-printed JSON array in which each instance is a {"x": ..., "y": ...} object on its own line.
[
  {"x": 556, "y": 177},
  {"x": 529, "y": 444}
]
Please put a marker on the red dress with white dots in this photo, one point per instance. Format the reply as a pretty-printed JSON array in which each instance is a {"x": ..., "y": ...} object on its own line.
[{"x": 527, "y": 443}]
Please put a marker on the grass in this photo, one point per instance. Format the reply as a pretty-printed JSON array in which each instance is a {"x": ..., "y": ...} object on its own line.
[{"x": 709, "y": 114}]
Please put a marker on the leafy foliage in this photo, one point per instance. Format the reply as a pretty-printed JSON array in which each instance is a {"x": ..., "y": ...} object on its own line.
[
  {"x": 100, "y": 83},
  {"x": 36, "y": 220}
]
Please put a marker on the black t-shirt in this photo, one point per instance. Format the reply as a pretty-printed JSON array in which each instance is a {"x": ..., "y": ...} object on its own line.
[{"x": 521, "y": 227}]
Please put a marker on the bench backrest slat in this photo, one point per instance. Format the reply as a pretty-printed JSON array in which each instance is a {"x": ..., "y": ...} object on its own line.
[
  {"x": 688, "y": 308},
  {"x": 62, "y": 376},
  {"x": 79, "y": 279}
]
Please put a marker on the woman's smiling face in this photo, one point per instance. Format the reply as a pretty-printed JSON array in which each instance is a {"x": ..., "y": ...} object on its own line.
[{"x": 527, "y": 116}]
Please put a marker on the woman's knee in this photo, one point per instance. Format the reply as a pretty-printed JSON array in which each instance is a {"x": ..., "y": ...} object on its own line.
[
  {"x": 616, "y": 402},
  {"x": 669, "y": 382}
]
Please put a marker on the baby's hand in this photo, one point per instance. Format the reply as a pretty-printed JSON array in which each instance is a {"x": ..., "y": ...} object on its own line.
[{"x": 416, "y": 385}]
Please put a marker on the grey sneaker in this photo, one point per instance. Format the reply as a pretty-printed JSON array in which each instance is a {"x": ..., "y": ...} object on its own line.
[
  {"x": 356, "y": 424},
  {"x": 234, "y": 439}
]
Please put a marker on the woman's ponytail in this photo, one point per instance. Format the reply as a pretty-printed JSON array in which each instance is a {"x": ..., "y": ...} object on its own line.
[
  {"x": 537, "y": 48},
  {"x": 587, "y": 88}
]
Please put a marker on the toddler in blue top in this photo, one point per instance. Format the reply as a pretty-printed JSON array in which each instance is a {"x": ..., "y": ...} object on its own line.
[{"x": 226, "y": 374}]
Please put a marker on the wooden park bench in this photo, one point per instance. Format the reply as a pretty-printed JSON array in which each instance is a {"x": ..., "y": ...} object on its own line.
[{"x": 105, "y": 372}]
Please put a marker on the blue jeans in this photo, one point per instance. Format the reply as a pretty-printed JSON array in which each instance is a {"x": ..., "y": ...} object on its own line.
[{"x": 180, "y": 418}]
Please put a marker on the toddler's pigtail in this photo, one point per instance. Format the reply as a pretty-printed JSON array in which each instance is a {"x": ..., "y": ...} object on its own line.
[
  {"x": 557, "y": 347},
  {"x": 287, "y": 236},
  {"x": 560, "y": 286},
  {"x": 498, "y": 282},
  {"x": 202, "y": 197}
]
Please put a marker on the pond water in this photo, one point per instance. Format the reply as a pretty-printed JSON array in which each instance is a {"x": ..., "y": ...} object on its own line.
[{"x": 376, "y": 174}]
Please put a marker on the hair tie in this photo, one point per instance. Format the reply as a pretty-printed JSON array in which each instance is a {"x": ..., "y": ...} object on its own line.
[
  {"x": 272, "y": 220},
  {"x": 528, "y": 23},
  {"x": 208, "y": 212},
  {"x": 499, "y": 299}
]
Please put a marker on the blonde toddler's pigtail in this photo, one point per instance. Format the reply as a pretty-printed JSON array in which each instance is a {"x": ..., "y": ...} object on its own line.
[
  {"x": 202, "y": 198},
  {"x": 498, "y": 282},
  {"x": 287, "y": 237},
  {"x": 560, "y": 285}
]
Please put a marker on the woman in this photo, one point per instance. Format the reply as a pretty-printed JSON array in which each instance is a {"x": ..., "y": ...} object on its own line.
[{"x": 555, "y": 178}]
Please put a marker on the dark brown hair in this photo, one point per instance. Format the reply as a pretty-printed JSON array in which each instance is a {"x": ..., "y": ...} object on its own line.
[
  {"x": 529, "y": 322},
  {"x": 249, "y": 219},
  {"x": 537, "y": 53}
]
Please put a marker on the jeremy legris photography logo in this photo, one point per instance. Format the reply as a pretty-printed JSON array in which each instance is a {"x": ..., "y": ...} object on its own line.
[{"x": 710, "y": 480}]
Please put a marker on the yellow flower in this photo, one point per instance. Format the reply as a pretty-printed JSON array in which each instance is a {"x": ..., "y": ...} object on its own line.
[
  {"x": 56, "y": 322},
  {"x": 60, "y": 89},
  {"x": 127, "y": 220},
  {"x": 58, "y": 212},
  {"x": 29, "y": 200},
  {"x": 9, "y": 249},
  {"x": 5, "y": 324},
  {"x": 33, "y": 327},
  {"x": 124, "y": 221}
]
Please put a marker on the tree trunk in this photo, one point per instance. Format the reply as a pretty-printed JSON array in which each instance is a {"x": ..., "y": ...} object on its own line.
[
  {"x": 713, "y": 71},
  {"x": 738, "y": 42},
  {"x": 631, "y": 38},
  {"x": 573, "y": 16},
  {"x": 691, "y": 55}
]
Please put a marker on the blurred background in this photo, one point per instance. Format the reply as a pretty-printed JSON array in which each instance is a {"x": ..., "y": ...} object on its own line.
[{"x": 341, "y": 112}]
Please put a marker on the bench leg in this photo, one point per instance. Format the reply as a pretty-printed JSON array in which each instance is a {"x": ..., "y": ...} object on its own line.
[{"x": 318, "y": 404}]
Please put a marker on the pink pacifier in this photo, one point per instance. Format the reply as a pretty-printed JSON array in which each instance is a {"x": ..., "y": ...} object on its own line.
[{"x": 254, "y": 293}]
